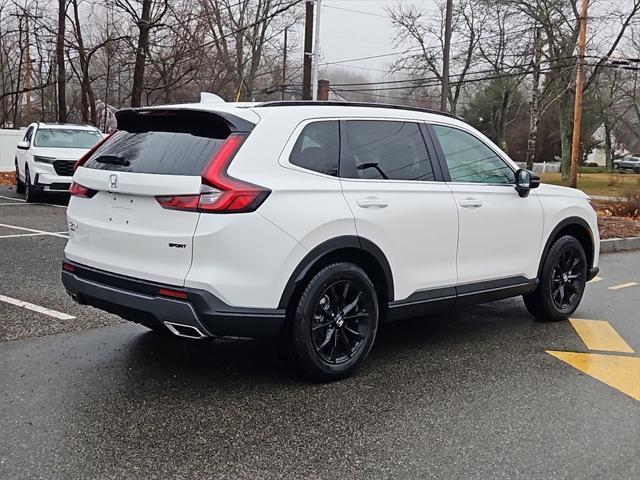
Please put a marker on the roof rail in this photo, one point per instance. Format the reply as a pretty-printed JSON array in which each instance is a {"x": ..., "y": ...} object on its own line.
[{"x": 330, "y": 103}]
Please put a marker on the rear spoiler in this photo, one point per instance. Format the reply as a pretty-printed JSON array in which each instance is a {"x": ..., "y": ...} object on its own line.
[{"x": 197, "y": 122}]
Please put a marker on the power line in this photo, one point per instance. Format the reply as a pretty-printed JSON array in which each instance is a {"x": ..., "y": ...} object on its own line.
[{"x": 386, "y": 17}]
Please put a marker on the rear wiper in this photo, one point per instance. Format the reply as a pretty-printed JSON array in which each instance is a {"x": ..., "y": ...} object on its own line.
[{"x": 113, "y": 160}]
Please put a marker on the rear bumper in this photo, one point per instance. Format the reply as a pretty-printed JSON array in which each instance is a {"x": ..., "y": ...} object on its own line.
[{"x": 139, "y": 301}]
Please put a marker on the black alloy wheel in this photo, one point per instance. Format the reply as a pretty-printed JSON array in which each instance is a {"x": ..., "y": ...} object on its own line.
[
  {"x": 562, "y": 281},
  {"x": 19, "y": 183},
  {"x": 332, "y": 325},
  {"x": 567, "y": 278},
  {"x": 340, "y": 322},
  {"x": 31, "y": 195}
]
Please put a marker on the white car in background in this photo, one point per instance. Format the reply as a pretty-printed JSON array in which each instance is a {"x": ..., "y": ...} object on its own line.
[{"x": 46, "y": 155}]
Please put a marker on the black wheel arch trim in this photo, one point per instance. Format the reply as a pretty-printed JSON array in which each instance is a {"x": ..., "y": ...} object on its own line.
[
  {"x": 568, "y": 222},
  {"x": 328, "y": 247}
]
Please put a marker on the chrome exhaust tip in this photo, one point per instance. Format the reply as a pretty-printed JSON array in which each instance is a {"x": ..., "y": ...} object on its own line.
[{"x": 186, "y": 331}]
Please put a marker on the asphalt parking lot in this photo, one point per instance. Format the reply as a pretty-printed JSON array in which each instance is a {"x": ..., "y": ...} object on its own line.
[{"x": 471, "y": 395}]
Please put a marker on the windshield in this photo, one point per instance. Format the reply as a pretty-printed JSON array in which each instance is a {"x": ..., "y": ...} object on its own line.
[{"x": 66, "y": 138}]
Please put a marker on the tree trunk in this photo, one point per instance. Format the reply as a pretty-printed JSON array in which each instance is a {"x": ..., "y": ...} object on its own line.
[
  {"x": 62, "y": 82},
  {"x": 534, "y": 104},
  {"x": 566, "y": 134},
  {"x": 141, "y": 54},
  {"x": 608, "y": 147}
]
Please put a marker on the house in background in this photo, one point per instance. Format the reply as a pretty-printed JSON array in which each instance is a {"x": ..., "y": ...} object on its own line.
[{"x": 598, "y": 154}]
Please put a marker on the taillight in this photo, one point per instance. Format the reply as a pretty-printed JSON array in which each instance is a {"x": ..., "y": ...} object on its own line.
[
  {"x": 78, "y": 190},
  {"x": 220, "y": 193},
  {"x": 86, "y": 156}
]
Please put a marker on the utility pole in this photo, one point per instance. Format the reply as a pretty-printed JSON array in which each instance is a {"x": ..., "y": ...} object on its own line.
[
  {"x": 444, "y": 95},
  {"x": 61, "y": 80},
  {"x": 27, "y": 67},
  {"x": 534, "y": 105},
  {"x": 577, "y": 109},
  {"x": 316, "y": 53},
  {"x": 284, "y": 63},
  {"x": 308, "y": 45}
]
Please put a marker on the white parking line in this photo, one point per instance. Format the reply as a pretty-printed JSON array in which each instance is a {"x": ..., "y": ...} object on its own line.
[
  {"x": 13, "y": 198},
  {"x": 624, "y": 285},
  {"x": 4, "y": 204},
  {"x": 24, "y": 202},
  {"x": 33, "y": 230},
  {"x": 36, "y": 308},
  {"x": 18, "y": 235}
]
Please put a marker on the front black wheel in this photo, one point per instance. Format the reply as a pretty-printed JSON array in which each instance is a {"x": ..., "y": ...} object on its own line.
[
  {"x": 335, "y": 321},
  {"x": 31, "y": 195},
  {"x": 562, "y": 281},
  {"x": 19, "y": 183}
]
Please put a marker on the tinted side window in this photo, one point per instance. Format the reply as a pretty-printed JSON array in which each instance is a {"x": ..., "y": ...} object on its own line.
[
  {"x": 470, "y": 160},
  {"x": 318, "y": 148},
  {"x": 27, "y": 136},
  {"x": 385, "y": 150}
]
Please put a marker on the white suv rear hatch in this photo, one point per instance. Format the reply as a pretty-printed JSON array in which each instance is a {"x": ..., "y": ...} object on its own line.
[{"x": 120, "y": 226}]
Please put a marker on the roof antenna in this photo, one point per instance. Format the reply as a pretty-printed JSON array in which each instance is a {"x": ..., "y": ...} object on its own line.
[{"x": 206, "y": 97}]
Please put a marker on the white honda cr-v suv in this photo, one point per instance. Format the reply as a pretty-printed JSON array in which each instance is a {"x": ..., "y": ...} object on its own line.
[{"x": 314, "y": 222}]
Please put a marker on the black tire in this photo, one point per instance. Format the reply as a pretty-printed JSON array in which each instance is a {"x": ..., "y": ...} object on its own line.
[
  {"x": 562, "y": 282},
  {"x": 616, "y": 166},
  {"x": 324, "y": 341},
  {"x": 31, "y": 195},
  {"x": 19, "y": 183}
]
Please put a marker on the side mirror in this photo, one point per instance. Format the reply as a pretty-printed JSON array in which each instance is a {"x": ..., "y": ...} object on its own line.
[
  {"x": 525, "y": 181},
  {"x": 23, "y": 145}
]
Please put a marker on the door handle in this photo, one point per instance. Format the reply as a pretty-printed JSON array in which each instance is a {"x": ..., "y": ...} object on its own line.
[
  {"x": 470, "y": 202},
  {"x": 372, "y": 202}
]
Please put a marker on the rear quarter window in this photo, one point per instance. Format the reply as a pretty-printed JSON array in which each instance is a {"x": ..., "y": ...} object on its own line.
[{"x": 318, "y": 148}]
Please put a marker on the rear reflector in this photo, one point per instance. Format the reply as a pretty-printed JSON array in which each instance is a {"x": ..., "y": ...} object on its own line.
[
  {"x": 69, "y": 267},
  {"x": 78, "y": 190},
  {"x": 220, "y": 193},
  {"x": 167, "y": 292}
]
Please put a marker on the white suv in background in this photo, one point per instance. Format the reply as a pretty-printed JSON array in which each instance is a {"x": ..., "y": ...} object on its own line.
[
  {"x": 46, "y": 155},
  {"x": 314, "y": 222}
]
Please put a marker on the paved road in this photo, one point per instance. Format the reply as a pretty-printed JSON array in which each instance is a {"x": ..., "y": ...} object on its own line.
[{"x": 473, "y": 395}]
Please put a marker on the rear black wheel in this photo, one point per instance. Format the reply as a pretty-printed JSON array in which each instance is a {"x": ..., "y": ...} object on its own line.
[
  {"x": 562, "y": 281},
  {"x": 335, "y": 322},
  {"x": 19, "y": 183}
]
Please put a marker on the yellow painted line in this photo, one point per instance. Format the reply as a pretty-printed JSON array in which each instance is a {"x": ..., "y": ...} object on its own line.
[
  {"x": 624, "y": 285},
  {"x": 600, "y": 335},
  {"x": 596, "y": 280},
  {"x": 619, "y": 372}
]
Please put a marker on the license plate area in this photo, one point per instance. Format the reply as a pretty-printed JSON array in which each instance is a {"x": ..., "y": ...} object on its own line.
[{"x": 121, "y": 209}]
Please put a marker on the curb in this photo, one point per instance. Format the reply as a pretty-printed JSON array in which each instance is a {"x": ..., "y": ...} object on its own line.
[{"x": 619, "y": 244}]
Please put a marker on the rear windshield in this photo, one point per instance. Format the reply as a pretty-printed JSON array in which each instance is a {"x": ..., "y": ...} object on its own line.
[
  {"x": 66, "y": 138},
  {"x": 165, "y": 153}
]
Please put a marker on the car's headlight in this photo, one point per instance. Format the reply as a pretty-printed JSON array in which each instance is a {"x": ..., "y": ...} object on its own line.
[{"x": 39, "y": 159}]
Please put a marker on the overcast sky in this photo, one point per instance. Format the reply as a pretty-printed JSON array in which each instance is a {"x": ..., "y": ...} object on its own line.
[{"x": 346, "y": 34}]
